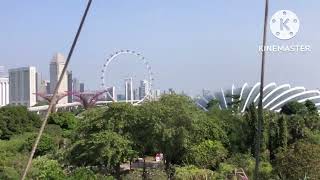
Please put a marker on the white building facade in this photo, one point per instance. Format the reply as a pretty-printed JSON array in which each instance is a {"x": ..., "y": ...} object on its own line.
[
  {"x": 23, "y": 86},
  {"x": 129, "y": 90},
  {"x": 4, "y": 91},
  {"x": 56, "y": 67},
  {"x": 144, "y": 89}
]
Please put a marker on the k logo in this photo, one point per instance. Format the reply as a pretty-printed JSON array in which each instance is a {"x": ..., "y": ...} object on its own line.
[{"x": 284, "y": 24}]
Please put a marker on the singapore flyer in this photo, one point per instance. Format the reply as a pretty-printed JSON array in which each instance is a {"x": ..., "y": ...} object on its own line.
[{"x": 145, "y": 89}]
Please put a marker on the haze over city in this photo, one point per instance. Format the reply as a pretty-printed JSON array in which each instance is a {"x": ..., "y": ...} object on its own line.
[{"x": 189, "y": 45}]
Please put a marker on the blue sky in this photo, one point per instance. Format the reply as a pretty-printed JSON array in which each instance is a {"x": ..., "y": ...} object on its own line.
[{"x": 189, "y": 44}]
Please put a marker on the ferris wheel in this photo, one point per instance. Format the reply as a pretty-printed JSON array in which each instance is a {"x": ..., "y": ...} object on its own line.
[{"x": 147, "y": 67}]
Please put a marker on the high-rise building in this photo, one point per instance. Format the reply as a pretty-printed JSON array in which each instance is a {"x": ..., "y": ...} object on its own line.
[
  {"x": 47, "y": 82},
  {"x": 121, "y": 97},
  {"x": 70, "y": 87},
  {"x": 81, "y": 87},
  {"x": 4, "y": 91},
  {"x": 22, "y": 87},
  {"x": 156, "y": 94},
  {"x": 42, "y": 86},
  {"x": 129, "y": 89},
  {"x": 56, "y": 66},
  {"x": 2, "y": 72},
  {"x": 136, "y": 94},
  {"x": 76, "y": 85},
  {"x": 144, "y": 89},
  {"x": 171, "y": 91}
]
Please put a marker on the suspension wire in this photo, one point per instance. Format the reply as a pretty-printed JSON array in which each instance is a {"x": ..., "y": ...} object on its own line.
[
  {"x": 260, "y": 107},
  {"x": 53, "y": 102}
]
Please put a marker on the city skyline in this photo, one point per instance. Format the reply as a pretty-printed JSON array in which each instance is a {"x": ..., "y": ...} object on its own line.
[
  {"x": 146, "y": 89},
  {"x": 185, "y": 52},
  {"x": 27, "y": 86}
]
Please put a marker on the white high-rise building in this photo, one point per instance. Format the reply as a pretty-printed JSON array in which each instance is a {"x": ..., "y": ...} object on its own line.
[
  {"x": 156, "y": 94},
  {"x": 4, "y": 87},
  {"x": 144, "y": 89},
  {"x": 129, "y": 90},
  {"x": 2, "y": 72},
  {"x": 56, "y": 67},
  {"x": 23, "y": 86},
  {"x": 4, "y": 91}
]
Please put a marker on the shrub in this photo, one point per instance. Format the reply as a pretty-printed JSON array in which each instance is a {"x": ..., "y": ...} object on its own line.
[
  {"x": 45, "y": 146},
  {"x": 192, "y": 172},
  {"x": 44, "y": 168}
]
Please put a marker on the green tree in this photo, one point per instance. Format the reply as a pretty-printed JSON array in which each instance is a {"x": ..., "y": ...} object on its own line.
[
  {"x": 176, "y": 115},
  {"x": 16, "y": 120},
  {"x": 9, "y": 173},
  {"x": 245, "y": 162},
  {"x": 105, "y": 149},
  {"x": 44, "y": 168},
  {"x": 65, "y": 120},
  {"x": 278, "y": 135},
  {"x": 294, "y": 108},
  {"x": 213, "y": 104},
  {"x": 192, "y": 172},
  {"x": 142, "y": 131},
  {"x": 283, "y": 133},
  {"x": 235, "y": 102},
  {"x": 46, "y": 145},
  {"x": 82, "y": 174},
  {"x": 251, "y": 119},
  {"x": 208, "y": 126},
  {"x": 300, "y": 160},
  {"x": 312, "y": 108},
  {"x": 115, "y": 118},
  {"x": 207, "y": 154},
  {"x": 296, "y": 128}
]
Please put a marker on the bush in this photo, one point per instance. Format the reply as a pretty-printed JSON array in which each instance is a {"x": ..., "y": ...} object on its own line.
[
  {"x": 65, "y": 120},
  {"x": 44, "y": 168},
  {"x": 8, "y": 173},
  {"x": 247, "y": 163},
  {"x": 82, "y": 174},
  {"x": 45, "y": 146},
  {"x": 16, "y": 120},
  {"x": 300, "y": 160},
  {"x": 207, "y": 154},
  {"x": 154, "y": 174},
  {"x": 192, "y": 172}
]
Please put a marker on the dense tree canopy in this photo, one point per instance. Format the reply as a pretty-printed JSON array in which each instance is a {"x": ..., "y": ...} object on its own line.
[
  {"x": 16, "y": 120},
  {"x": 301, "y": 160},
  {"x": 98, "y": 143}
]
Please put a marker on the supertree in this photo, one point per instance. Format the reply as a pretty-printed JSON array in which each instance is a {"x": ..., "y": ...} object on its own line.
[
  {"x": 48, "y": 98},
  {"x": 87, "y": 99}
]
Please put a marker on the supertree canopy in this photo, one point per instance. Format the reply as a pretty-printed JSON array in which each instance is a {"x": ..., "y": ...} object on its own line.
[
  {"x": 87, "y": 99},
  {"x": 48, "y": 98}
]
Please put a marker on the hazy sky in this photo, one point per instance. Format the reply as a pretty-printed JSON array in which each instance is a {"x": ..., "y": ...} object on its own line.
[{"x": 190, "y": 44}]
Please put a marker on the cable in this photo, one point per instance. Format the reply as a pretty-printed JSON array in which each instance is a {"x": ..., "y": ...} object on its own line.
[{"x": 53, "y": 102}]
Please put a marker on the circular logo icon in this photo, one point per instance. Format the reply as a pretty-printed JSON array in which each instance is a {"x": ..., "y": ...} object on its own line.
[{"x": 284, "y": 24}]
